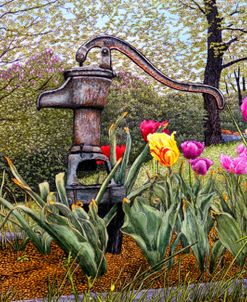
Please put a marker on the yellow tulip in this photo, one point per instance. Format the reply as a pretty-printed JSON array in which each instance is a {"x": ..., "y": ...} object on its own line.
[{"x": 163, "y": 147}]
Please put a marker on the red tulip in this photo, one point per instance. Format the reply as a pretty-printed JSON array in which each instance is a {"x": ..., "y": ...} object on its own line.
[
  {"x": 106, "y": 151},
  {"x": 151, "y": 126}
]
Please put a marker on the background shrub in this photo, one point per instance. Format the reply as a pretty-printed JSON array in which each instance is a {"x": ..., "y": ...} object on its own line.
[{"x": 183, "y": 111}]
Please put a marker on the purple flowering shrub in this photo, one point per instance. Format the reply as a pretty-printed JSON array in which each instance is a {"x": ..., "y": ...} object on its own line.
[{"x": 35, "y": 72}]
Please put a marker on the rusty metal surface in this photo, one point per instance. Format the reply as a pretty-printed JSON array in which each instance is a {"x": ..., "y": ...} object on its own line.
[
  {"x": 113, "y": 194},
  {"x": 83, "y": 88},
  {"x": 75, "y": 159},
  {"x": 113, "y": 43},
  {"x": 87, "y": 127}
]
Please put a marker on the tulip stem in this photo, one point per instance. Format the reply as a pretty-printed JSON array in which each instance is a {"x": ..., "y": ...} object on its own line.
[
  {"x": 190, "y": 176},
  {"x": 155, "y": 166},
  {"x": 236, "y": 124}
]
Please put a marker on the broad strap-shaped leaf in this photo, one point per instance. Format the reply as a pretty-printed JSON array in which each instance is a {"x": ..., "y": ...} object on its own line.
[
  {"x": 149, "y": 227},
  {"x": 112, "y": 137},
  {"x": 172, "y": 249},
  {"x": 36, "y": 239},
  {"x": 217, "y": 251},
  {"x": 105, "y": 183},
  {"x": 110, "y": 214},
  {"x": 229, "y": 234},
  {"x": 123, "y": 169},
  {"x": 99, "y": 225},
  {"x": 44, "y": 190},
  {"x": 70, "y": 240},
  {"x": 61, "y": 189},
  {"x": 134, "y": 193},
  {"x": 135, "y": 168},
  {"x": 194, "y": 231}
]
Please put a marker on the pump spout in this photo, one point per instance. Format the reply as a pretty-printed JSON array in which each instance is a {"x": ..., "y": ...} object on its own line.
[
  {"x": 84, "y": 87},
  {"x": 56, "y": 98}
]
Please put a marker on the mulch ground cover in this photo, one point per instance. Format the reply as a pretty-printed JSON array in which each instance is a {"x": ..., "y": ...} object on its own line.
[{"x": 27, "y": 272}]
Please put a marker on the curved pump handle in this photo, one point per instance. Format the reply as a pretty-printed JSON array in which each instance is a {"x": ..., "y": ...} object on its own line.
[{"x": 109, "y": 42}]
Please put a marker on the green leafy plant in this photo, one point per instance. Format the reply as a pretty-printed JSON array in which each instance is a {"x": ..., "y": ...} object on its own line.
[
  {"x": 82, "y": 234},
  {"x": 193, "y": 222},
  {"x": 150, "y": 228},
  {"x": 230, "y": 214},
  {"x": 40, "y": 239},
  {"x": 127, "y": 175},
  {"x": 194, "y": 219}
]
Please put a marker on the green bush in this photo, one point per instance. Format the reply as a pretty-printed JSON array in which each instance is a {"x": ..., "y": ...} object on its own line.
[{"x": 185, "y": 113}]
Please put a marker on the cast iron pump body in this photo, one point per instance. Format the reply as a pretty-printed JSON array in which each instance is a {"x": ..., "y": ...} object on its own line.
[{"x": 85, "y": 91}]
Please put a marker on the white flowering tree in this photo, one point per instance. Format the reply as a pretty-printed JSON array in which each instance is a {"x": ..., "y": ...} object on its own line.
[{"x": 190, "y": 40}]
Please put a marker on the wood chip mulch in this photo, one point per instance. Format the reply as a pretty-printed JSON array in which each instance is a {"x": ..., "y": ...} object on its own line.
[{"x": 27, "y": 272}]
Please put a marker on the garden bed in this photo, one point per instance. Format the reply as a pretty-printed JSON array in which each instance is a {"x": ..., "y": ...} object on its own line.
[{"x": 27, "y": 272}]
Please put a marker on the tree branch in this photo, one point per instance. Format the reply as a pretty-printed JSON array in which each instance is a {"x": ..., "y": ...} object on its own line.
[
  {"x": 44, "y": 84},
  {"x": 236, "y": 11},
  {"x": 192, "y": 7},
  {"x": 27, "y": 9},
  {"x": 228, "y": 44},
  {"x": 6, "y": 3},
  {"x": 5, "y": 86},
  {"x": 199, "y": 7},
  {"x": 7, "y": 94},
  {"x": 233, "y": 62},
  {"x": 235, "y": 29}
]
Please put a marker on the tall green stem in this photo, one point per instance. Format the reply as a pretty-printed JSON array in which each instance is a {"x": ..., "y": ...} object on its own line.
[
  {"x": 190, "y": 176},
  {"x": 236, "y": 124}
]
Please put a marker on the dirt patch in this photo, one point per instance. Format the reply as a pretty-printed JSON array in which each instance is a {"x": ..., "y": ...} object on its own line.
[{"x": 27, "y": 272}]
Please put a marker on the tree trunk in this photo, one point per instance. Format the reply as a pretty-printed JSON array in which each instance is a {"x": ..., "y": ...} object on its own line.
[{"x": 213, "y": 72}]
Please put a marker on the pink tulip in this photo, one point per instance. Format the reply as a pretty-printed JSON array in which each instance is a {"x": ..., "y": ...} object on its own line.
[
  {"x": 151, "y": 126},
  {"x": 236, "y": 165},
  {"x": 240, "y": 165},
  {"x": 241, "y": 150},
  {"x": 244, "y": 109},
  {"x": 192, "y": 149},
  {"x": 227, "y": 163},
  {"x": 201, "y": 165}
]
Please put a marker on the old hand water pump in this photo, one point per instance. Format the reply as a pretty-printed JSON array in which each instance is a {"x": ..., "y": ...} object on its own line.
[{"x": 85, "y": 91}]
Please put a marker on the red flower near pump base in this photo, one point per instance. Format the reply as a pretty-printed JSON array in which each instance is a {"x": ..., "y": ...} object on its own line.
[{"x": 106, "y": 151}]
